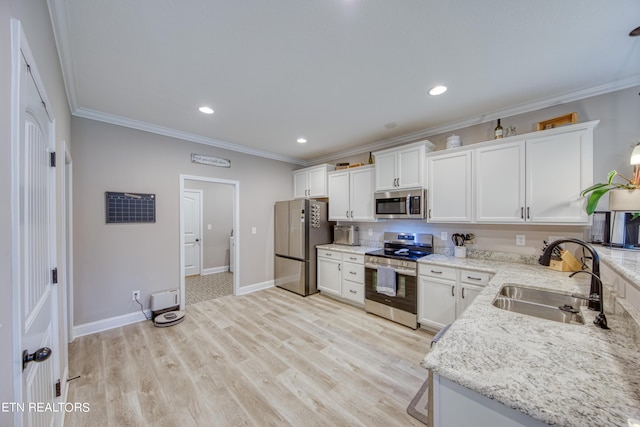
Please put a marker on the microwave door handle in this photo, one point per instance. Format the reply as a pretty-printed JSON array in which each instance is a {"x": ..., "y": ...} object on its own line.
[{"x": 408, "y": 207}]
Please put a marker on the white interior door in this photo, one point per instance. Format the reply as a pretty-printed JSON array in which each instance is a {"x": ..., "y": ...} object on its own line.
[
  {"x": 36, "y": 240},
  {"x": 192, "y": 231}
]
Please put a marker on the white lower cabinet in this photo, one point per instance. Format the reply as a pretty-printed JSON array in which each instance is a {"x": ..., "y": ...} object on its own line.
[
  {"x": 445, "y": 292},
  {"x": 329, "y": 275},
  {"x": 341, "y": 274}
]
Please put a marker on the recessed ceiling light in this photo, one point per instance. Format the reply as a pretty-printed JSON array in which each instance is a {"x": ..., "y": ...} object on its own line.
[
  {"x": 206, "y": 110},
  {"x": 437, "y": 90},
  {"x": 302, "y": 140}
]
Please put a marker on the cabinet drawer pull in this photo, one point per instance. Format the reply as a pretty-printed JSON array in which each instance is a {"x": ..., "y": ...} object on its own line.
[
  {"x": 352, "y": 258},
  {"x": 353, "y": 272},
  {"x": 352, "y": 291},
  {"x": 474, "y": 278},
  {"x": 436, "y": 272}
]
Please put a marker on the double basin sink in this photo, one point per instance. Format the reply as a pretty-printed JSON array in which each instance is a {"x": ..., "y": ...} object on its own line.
[{"x": 542, "y": 304}]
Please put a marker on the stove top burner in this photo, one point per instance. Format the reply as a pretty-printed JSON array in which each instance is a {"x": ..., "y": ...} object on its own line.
[
  {"x": 405, "y": 246},
  {"x": 396, "y": 254}
]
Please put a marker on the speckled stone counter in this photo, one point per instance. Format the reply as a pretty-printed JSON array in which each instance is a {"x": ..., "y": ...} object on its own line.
[
  {"x": 562, "y": 374},
  {"x": 347, "y": 249}
]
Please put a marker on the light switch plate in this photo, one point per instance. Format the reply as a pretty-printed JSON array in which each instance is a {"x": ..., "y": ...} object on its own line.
[
  {"x": 253, "y": 230},
  {"x": 370, "y": 232},
  {"x": 444, "y": 235},
  {"x": 520, "y": 240}
]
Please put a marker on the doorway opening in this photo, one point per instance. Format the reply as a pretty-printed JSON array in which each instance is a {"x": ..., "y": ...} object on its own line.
[{"x": 209, "y": 224}]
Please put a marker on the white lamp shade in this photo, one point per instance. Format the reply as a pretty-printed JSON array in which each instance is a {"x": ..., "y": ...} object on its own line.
[
  {"x": 624, "y": 200},
  {"x": 635, "y": 155}
]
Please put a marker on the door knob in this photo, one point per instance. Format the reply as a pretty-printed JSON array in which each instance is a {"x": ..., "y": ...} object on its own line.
[{"x": 40, "y": 355}]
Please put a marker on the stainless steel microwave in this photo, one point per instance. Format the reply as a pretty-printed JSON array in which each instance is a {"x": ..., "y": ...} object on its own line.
[{"x": 401, "y": 204}]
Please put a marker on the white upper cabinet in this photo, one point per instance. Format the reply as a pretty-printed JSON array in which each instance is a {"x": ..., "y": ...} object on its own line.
[
  {"x": 449, "y": 187},
  {"x": 532, "y": 178},
  {"x": 500, "y": 183},
  {"x": 537, "y": 180},
  {"x": 401, "y": 167},
  {"x": 558, "y": 168},
  {"x": 311, "y": 182},
  {"x": 351, "y": 194}
]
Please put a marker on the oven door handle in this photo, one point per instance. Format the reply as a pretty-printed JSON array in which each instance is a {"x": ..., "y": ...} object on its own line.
[{"x": 401, "y": 271}]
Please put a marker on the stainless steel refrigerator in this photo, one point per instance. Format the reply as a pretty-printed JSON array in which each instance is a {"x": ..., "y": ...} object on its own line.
[{"x": 301, "y": 224}]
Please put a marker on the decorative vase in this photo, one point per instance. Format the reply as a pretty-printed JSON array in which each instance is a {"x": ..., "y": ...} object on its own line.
[{"x": 624, "y": 200}]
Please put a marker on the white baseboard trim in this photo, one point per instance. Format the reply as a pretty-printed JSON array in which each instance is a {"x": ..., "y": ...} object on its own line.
[
  {"x": 214, "y": 270},
  {"x": 244, "y": 290},
  {"x": 137, "y": 316},
  {"x": 110, "y": 323}
]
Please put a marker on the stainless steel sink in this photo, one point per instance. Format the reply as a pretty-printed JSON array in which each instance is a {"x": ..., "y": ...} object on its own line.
[
  {"x": 537, "y": 296},
  {"x": 541, "y": 304}
]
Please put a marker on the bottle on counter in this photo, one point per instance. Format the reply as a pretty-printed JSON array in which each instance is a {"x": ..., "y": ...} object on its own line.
[{"x": 497, "y": 132}]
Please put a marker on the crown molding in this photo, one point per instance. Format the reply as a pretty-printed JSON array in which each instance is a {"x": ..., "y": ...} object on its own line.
[
  {"x": 59, "y": 22},
  {"x": 526, "y": 107},
  {"x": 87, "y": 113}
]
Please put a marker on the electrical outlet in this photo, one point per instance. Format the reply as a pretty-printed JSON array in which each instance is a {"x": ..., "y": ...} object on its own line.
[
  {"x": 444, "y": 235},
  {"x": 370, "y": 232},
  {"x": 135, "y": 295},
  {"x": 520, "y": 240}
]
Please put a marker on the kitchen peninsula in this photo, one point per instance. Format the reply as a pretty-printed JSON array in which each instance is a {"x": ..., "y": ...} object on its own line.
[{"x": 506, "y": 368}]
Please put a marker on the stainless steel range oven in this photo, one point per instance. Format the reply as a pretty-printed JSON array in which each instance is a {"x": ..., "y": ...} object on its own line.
[{"x": 391, "y": 282}]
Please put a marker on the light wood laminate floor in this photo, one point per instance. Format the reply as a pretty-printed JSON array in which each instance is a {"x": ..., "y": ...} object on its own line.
[{"x": 270, "y": 358}]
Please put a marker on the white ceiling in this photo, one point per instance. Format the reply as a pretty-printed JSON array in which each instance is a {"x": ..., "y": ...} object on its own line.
[{"x": 335, "y": 71}]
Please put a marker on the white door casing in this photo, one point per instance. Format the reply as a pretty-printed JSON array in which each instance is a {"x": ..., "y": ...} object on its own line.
[
  {"x": 236, "y": 230},
  {"x": 192, "y": 202},
  {"x": 33, "y": 239}
]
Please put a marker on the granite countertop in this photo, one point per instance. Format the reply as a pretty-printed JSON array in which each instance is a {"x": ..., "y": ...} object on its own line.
[
  {"x": 347, "y": 249},
  {"x": 562, "y": 374}
]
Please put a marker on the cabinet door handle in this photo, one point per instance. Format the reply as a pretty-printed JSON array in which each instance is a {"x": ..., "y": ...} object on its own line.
[
  {"x": 521, "y": 213},
  {"x": 429, "y": 213},
  {"x": 452, "y": 291},
  {"x": 462, "y": 293},
  {"x": 339, "y": 267},
  {"x": 528, "y": 216},
  {"x": 347, "y": 214}
]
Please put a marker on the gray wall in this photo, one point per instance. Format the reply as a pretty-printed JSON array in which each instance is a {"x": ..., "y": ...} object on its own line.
[
  {"x": 614, "y": 138},
  {"x": 111, "y": 260},
  {"x": 34, "y": 16},
  {"x": 217, "y": 210}
]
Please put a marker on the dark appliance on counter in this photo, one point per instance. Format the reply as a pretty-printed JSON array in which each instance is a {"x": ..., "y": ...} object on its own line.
[
  {"x": 616, "y": 229},
  {"x": 300, "y": 225},
  {"x": 395, "y": 263},
  {"x": 400, "y": 204}
]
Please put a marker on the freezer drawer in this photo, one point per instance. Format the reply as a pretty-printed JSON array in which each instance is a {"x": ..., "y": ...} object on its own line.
[{"x": 291, "y": 274}]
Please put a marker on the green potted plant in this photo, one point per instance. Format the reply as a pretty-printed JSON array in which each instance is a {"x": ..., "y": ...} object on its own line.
[{"x": 622, "y": 197}]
